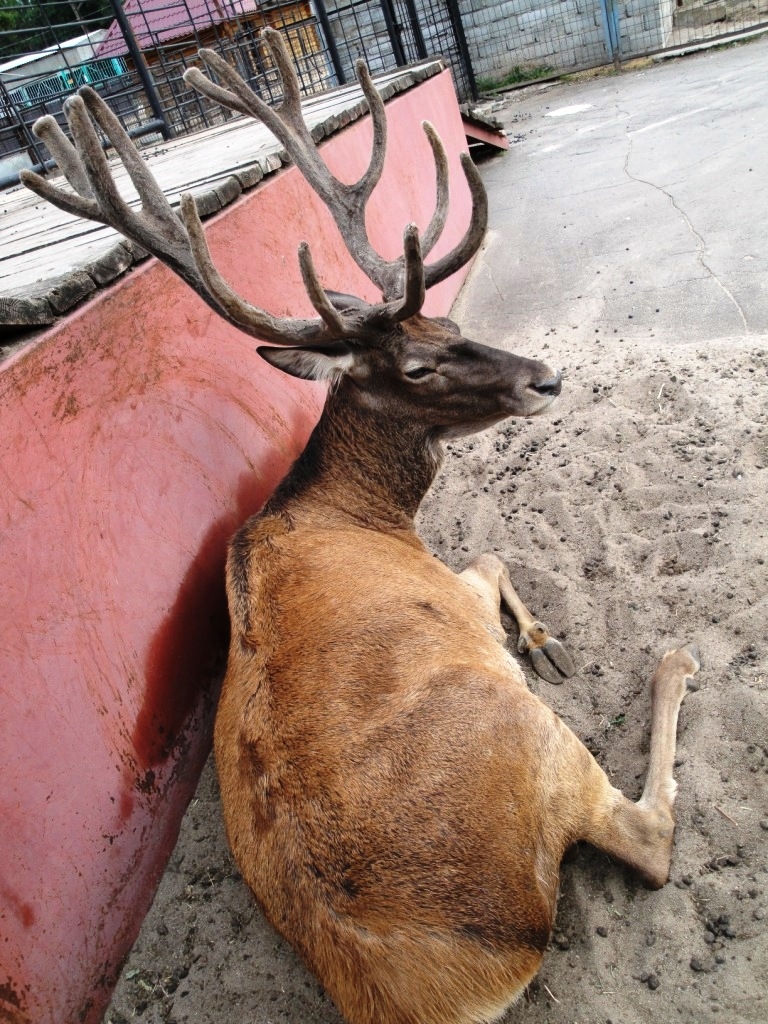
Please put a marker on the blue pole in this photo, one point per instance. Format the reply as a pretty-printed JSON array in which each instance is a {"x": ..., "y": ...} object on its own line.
[{"x": 610, "y": 15}]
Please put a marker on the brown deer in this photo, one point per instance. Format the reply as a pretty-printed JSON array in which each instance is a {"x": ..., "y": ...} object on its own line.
[{"x": 395, "y": 797}]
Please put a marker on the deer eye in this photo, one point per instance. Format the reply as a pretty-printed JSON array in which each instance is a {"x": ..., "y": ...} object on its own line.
[{"x": 417, "y": 372}]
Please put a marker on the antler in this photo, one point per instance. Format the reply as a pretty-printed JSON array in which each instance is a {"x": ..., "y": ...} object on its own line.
[
  {"x": 181, "y": 244},
  {"x": 346, "y": 203}
]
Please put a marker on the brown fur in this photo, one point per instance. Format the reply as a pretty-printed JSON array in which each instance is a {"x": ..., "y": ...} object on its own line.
[{"x": 396, "y": 798}]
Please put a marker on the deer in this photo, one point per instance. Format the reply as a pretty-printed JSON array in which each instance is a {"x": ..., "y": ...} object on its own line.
[{"x": 395, "y": 796}]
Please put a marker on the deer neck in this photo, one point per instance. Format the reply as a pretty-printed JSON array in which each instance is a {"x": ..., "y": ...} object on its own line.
[{"x": 361, "y": 466}]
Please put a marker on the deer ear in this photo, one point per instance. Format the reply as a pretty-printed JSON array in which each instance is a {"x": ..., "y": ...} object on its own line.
[
  {"x": 449, "y": 325},
  {"x": 343, "y": 302},
  {"x": 310, "y": 363}
]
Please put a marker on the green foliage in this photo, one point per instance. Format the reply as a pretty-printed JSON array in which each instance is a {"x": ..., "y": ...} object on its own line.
[
  {"x": 30, "y": 25},
  {"x": 517, "y": 75}
]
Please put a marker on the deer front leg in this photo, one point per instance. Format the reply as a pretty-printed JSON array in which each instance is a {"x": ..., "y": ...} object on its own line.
[
  {"x": 488, "y": 575},
  {"x": 640, "y": 834}
]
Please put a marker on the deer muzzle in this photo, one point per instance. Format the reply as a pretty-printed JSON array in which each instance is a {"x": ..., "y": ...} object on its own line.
[{"x": 549, "y": 388}]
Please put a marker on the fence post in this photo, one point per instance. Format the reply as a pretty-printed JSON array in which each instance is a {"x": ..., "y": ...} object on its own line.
[
  {"x": 418, "y": 38},
  {"x": 461, "y": 40},
  {"x": 141, "y": 67},
  {"x": 393, "y": 31},
  {"x": 330, "y": 42},
  {"x": 610, "y": 15}
]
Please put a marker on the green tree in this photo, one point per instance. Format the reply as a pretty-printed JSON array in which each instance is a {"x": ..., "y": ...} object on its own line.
[{"x": 29, "y": 25}]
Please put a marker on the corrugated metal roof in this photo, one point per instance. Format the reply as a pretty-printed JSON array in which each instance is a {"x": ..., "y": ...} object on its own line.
[
  {"x": 92, "y": 38},
  {"x": 161, "y": 21}
]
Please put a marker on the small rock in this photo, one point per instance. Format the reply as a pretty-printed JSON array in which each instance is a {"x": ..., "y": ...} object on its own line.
[
  {"x": 653, "y": 982},
  {"x": 697, "y": 965},
  {"x": 601, "y": 930}
]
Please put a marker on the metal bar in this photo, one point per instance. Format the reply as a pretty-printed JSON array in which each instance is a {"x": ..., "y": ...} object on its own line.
[
  {"x": 141, "y": 67},
  {"x": 11, "y": 179},
  {"x": 393, "y": 33},
  {"x": 31, "y": 142},
  {"x": 418, "y": 38},
  {"x": 150, "y": 128},
  {"x": 330, "y": 42},
  {"x": 461, "y": 41}
]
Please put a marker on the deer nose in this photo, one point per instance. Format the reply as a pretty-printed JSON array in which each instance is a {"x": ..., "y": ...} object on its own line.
[{"x": 550, "y": 387}]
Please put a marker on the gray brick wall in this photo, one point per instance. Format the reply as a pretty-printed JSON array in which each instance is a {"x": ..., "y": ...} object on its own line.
[{"x": 560, "y": 33}]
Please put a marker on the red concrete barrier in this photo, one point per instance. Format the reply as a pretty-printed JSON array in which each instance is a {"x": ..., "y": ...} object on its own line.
[{"x": 137, "y": 434}]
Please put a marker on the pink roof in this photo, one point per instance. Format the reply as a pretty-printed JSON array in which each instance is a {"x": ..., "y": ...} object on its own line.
[{"x": 160, "y": 21}]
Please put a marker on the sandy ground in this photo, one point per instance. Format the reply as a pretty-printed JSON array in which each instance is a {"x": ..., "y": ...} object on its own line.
[{"x": 633, "y": 519}]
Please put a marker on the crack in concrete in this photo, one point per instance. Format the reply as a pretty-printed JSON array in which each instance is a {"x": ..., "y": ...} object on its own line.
[
  {"x": 700, "y": 243},
  {"x": 492, "y": 279}
]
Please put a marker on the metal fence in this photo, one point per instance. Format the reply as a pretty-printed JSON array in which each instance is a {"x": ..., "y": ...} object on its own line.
[
  {"x": 135, "y": 52},
  {"x": 515, "y": 40}
]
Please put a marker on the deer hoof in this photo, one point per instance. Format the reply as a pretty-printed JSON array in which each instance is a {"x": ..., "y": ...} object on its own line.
[
  {"x": 552, "y": 662},
  {"x": 549, "y": 658},
  {"x": 695, "y": 653}
]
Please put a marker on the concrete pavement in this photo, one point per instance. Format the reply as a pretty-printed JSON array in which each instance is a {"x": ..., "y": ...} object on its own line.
[{"x": 632, "y": 204}]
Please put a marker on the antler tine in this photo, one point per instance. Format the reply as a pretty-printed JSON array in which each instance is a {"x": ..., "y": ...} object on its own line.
[
  {"x": 239, "y": 96},
  {"x": 251, "y": 319},
  {"x": 440, "y": 216},
  {"x": 81, "y": 203},
  {"x": 473, "y": 237},
  {"x": 316, "y": 292},
  {"x": 198, "y": 81},
  {"x": 414, "y": 287},
  {"x": 372, "y": 175},
  {"x": 290, "y": 107},
  {"x": 153, "y": 201},
  {"x": 64, "y": 153}
]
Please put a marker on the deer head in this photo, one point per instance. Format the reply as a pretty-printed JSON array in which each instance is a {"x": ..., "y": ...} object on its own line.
[{"x": 391, "y": 353}]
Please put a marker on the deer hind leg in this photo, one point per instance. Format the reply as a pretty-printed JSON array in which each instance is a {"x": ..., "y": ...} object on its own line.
[
  {"x": 549, "y": 659},
  {"x": 640, "y": 834}
]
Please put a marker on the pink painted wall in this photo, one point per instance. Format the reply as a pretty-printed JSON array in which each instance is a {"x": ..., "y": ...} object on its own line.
[{"x": 137, "y": 435}]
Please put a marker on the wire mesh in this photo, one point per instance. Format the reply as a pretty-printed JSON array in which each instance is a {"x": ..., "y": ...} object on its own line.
[
  {"x": 135, "y": 53},
  {"x": 514, "y": 41}
]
